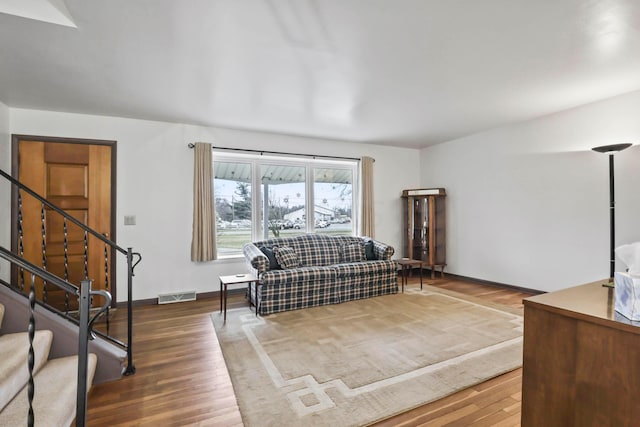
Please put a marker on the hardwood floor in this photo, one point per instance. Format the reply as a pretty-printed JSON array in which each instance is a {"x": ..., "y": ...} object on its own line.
[{"x": 182, "y": 378}]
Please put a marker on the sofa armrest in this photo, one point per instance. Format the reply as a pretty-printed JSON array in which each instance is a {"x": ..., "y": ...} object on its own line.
[
  {"x": 256, "y": 260},
  {"x": 382, "y": 250}
]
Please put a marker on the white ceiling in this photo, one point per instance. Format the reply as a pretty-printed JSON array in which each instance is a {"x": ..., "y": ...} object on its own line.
[{"x": 405, "y": 72}]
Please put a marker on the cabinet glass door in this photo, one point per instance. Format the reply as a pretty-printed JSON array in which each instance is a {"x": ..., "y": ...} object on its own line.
[{"x": 421, "y": 229}]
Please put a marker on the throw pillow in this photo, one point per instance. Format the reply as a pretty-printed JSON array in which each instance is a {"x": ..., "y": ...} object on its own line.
[
  {"x": 368, "y": 250},
  {"x": 286, "y": 257},
  {"x": 353, "y": 252},
  {"x": 268, "y": 252}
]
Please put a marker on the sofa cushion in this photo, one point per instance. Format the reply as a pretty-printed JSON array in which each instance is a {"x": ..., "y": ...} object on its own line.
[
  {"x": 313, "y": 249},
  {"x": 352, "y": 252},
  {"x": 318, "y": 250},
  {"x": 366, "y": 269},
  {"x": 268, "y": 252},
  {"x": 286, "y": 257},
  {"x": 321, "y": 275},
  {"x": 368, "y": 250}
]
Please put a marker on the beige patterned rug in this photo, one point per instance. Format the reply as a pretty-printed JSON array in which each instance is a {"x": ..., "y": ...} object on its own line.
[{"x": 359, "y": 362}]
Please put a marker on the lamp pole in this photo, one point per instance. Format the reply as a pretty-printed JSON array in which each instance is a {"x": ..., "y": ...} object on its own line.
[{"x": 611, "y": 150}]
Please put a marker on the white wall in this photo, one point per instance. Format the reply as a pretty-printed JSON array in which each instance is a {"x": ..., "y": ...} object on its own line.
[
  {"x": 154, "y": 176},
  {"x": 5, "y": 188},
  {"x": 528, "y": 203}
]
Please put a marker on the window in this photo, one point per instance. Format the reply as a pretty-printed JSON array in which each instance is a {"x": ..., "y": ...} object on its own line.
[
  {"x": 283, "y": 204},
  {"x": 232, "y": 191},
  {"x": 285, "y": 189},
  {"x": 333, "y": 194}
]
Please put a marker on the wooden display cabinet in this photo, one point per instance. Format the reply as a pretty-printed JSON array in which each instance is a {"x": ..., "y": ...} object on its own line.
[{"x": 424, "y": 227}]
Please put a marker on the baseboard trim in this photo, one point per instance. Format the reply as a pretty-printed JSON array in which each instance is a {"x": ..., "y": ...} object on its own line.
[
  {"x": 199, "y": 296},
  {"x": 237, "y": 291},
  {"x": 495, "y": 284},
  {"x": 139, "y": 302},
  {"x": 216, "y": 294}
]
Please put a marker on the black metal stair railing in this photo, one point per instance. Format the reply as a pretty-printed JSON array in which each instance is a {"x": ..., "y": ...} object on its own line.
[
  {"x": 85, "y": 330},
  {"x": 132, "y": 260}
]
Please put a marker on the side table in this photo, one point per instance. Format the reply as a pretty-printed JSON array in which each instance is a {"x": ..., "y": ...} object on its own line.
[
  {"x": 406, "y": 265},
  {"x": 236, "y": 279}
]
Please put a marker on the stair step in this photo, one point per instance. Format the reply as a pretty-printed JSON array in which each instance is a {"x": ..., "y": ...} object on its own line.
[
  {"x": 14, "y": 372},
  {"x": 54, "y": 401}
]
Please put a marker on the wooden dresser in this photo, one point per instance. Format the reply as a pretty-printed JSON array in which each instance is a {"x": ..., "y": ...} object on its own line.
[{"x": 581, "y": 362}]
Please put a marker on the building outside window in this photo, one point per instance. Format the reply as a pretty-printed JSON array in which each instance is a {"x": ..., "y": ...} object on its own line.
[{"x": 260, "y": 197}]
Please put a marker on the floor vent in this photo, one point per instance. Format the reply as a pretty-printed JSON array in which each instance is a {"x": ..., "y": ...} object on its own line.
[{"x": 176, "y": 297}]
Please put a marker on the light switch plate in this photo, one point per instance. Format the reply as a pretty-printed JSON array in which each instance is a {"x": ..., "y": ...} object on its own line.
[{"x": 129, "y": 220}]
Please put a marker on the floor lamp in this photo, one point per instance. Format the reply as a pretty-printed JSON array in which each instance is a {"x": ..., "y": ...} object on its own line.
[{"x": 611, "y": 150}]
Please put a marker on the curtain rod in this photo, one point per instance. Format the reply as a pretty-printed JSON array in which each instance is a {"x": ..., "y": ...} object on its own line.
[{"x": 261, "y": 152}]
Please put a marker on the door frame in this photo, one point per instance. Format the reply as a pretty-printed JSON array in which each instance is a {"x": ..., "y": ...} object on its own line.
[{"x": 15, "y": 142}]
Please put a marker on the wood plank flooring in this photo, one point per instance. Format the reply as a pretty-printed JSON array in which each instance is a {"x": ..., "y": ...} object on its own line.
[{"x": 182, "y": 378}]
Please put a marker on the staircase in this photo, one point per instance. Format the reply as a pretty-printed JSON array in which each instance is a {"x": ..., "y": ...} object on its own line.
[
  {"x": 49, "y": 352},
  {"x": 54, "y": 403}
]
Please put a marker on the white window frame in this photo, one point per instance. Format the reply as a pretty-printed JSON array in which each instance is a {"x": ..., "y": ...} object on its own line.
[{"x": 257, "y": 161}]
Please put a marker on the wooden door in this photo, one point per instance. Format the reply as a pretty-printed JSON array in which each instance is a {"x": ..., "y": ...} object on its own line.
[{"x": 76, "y": 177}]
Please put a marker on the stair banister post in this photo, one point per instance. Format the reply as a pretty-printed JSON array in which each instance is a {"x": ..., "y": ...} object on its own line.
[
  {"x": 31, "y": 355},
  {"x": 130, "y": 368},
  {"x": 83, "y": 352}
]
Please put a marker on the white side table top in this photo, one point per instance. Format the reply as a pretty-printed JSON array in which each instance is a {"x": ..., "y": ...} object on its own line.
[{"x": 238, "y": 278}]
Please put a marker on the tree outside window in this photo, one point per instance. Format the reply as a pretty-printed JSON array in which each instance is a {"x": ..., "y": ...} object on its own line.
[{"x": 232, "y": 190}]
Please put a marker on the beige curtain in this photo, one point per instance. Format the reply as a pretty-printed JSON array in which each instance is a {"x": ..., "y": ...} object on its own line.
[
  {"x": 367, "y": 217},
  {"x": 203, "y": 241}
]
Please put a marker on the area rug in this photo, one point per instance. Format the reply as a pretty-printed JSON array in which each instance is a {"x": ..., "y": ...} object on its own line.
[{"x": 355, "y": 363}]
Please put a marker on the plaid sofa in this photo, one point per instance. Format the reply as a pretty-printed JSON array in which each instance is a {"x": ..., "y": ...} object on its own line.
[{"x": 321, "y": 277}]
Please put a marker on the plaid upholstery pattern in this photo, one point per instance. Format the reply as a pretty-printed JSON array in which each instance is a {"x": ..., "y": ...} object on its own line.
[
  {"x": 365, "y": 269},
  {"x": 375, "y": 288},
  {"x": 352, "y": 252},
  {"x": 322, "y": 279},
  {"x": 314, "y": 249},
  {"x": 298, "y": 275},
  {"x": 382, "y": 251},
  {"x": 286, "y": 257},
  {"x": 293, "y": 296},
  {"x": 366, "y": 279},
  {"x": 256, "y": 260}
]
